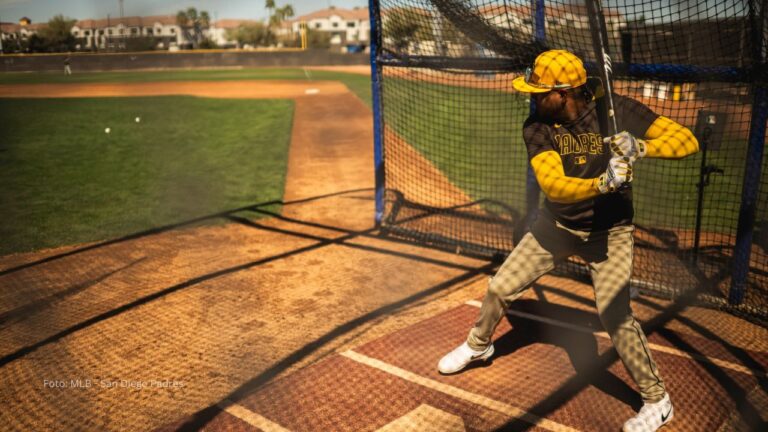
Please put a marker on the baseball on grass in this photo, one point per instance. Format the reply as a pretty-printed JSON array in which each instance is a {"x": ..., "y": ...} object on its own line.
[
  {"x": 106, "y": 130},
  {"x": 138, "y": 119}
]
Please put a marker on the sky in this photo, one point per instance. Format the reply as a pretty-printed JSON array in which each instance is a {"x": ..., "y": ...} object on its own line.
[{"x": 42, "y": 10}]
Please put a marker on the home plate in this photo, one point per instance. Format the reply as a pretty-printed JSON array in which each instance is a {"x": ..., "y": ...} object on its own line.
[
  {"x": 312, "y": 91},
  {"x": 426, "y": 419}
]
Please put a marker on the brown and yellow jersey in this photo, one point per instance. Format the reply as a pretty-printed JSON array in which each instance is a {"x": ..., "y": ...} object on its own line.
[{"x": 582, "y": 155}]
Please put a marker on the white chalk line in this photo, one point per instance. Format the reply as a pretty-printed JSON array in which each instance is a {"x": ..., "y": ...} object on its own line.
[
  {"x": 251, "y": 417},
  {"x": 486, "y": 402}
]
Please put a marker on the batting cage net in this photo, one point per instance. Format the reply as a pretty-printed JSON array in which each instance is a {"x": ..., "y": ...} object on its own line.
[{"x": 452, "y": 168}]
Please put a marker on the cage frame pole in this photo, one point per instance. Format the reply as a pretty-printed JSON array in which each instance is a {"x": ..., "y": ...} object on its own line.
[
  {"x": 374, "y": 14},
  {"x": 742, "y": 250},
  {"x": 752, "y": 170}
]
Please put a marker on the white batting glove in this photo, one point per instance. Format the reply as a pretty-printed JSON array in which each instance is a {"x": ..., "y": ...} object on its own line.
[
  {"x": 618, "y": 173},
  {"x": 625, "y": 144}
]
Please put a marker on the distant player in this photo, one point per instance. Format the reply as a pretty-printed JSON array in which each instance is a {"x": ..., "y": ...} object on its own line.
[
  {"x": 67, "y": 68},
  {"x": 588, "y": 212}
]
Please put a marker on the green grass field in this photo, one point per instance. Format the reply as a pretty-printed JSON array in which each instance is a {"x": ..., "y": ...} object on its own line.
[
  {"x": 67, "y": 181},
  {"x": 469, "y": 134}
]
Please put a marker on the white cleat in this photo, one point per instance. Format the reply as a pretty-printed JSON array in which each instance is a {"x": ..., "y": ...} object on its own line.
[
  {"x": 459, "y": 358},
  {"x": 651, "y": 416}
]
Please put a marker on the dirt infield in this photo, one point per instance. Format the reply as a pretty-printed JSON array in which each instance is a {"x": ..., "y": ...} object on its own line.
[
  {"x": 309, "y": 321},
  {"x": 221, "y": 89}
]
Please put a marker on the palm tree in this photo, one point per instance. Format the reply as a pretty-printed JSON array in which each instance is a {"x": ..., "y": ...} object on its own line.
[
  {"x": 280, "y": 15},
  {"x": 182, "y": 20},
  {"x": 270, "y": 6},
  {"x": 203, "y": 21},
  {"x": 197, "y": 22},
  {"x": 192, "y": 14},
  {"x": 287, "y": 11}
]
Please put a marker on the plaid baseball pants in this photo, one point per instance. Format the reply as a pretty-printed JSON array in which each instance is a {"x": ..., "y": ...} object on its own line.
[{"x": 609, "y": 256}]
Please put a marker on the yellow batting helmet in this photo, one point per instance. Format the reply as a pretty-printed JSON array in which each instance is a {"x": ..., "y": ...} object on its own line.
[{"x": 554, "y": 69}]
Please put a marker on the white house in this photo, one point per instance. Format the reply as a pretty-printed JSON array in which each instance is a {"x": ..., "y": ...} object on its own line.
[
  {"x": 509, "y": 16},
  {"x": 346, "y": 26},
  {"x": 111, "y": 33},
  {"x": 577, "y": 16},
  {"x": 106, "y": 33},
  {"x": 11, "y": 34},
  {"x": 217, "y": 32},
  {"x": 521, "y": 18}
]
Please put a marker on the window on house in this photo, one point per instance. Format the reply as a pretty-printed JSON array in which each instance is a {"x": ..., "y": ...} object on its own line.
[
  {"x": 318, "y": 25},
  {"x": 173, "y": 31},
  {"x": 335, "y": 25},
  {"x": 76, "y": 33},
  {"x": 159, "y": 30},
  {"x": 149, "y": 31},
  {"x": 101, "y": 32},
  {"x": 134, "y": 30},
  {"x": 350, "y": 24},
  {"x": 122, "y": 31},
  {"x": 87, "y": 32},
  {"x": 109, "y": 32}
]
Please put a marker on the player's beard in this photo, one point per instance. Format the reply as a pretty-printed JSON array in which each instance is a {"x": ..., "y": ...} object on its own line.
[{"x": 555, "y": 112}]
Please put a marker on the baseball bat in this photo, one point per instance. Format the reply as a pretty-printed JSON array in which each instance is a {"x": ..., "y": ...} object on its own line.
[{"x": 604, "y": 68}]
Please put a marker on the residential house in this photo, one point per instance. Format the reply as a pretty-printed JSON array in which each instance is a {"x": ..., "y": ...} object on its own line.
[
  {"x": 346, "y": 26},
  {"x": 521, "y": 18},
  {"x": 111, "y": 33},
  {"x": 218, "y": 31},
  {"x": 12, "y": 34}
]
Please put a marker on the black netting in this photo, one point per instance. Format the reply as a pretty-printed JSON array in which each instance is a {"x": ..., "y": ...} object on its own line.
[
  {"x": 455, "y": 166},
  {"x": 757, "y": 281}
]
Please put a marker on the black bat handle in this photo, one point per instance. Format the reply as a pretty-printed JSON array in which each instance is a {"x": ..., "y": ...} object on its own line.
[{"x": 600, "y": 47}]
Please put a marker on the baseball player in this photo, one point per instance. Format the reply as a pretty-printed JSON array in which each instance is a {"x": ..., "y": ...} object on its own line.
[{"x": 588, "y": 212}]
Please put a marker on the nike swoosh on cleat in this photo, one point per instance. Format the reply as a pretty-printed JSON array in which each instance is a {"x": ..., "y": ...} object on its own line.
[
  {"x": 665, "y": 417},
  {"x": 479, "y": 355}
]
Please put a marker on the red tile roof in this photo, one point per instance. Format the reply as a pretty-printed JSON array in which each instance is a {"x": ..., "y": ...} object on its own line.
[
  {"x": 15, "y": 28},
  {"x": 232, "y": 23},
  {"x": 495, "y": 10},
  {"x": 347, "y": 14}
]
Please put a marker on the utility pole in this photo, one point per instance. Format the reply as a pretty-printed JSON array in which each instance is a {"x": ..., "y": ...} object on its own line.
[{"x": 122, "y": 36}]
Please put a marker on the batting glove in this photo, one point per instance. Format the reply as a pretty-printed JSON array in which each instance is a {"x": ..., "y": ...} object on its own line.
[
  {"x": 618, "y": 173},
  {"x": 625, "y": 144}
]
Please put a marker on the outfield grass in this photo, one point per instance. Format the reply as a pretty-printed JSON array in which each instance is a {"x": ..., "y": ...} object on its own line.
[
  {"x": 357, "y": 83},
  {"x": 474, "y": 136},
  {"x": 66, "y": 181}
]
